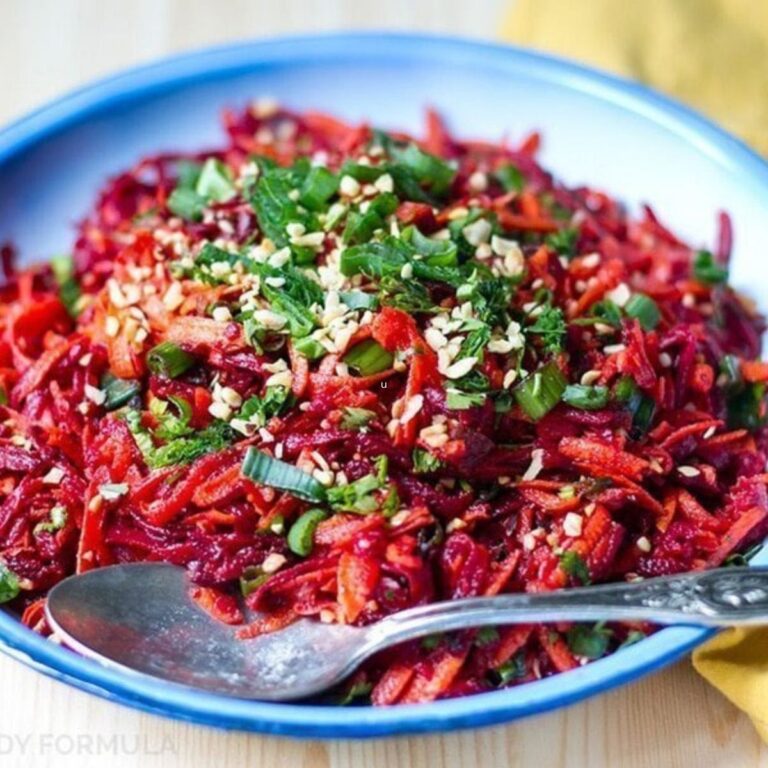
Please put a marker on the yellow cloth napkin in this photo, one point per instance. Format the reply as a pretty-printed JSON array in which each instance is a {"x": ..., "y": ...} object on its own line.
[{"x": 712, "y": 54}]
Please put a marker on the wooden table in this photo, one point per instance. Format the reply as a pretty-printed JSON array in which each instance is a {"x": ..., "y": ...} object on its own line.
[{"x": 671, "y": 719}]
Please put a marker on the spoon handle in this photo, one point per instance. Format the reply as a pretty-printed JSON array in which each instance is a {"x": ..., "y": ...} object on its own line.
[{"x": 720, "y": 598}]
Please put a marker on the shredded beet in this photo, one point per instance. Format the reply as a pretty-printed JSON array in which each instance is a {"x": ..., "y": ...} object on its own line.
[{"x": 338, "y": 372}]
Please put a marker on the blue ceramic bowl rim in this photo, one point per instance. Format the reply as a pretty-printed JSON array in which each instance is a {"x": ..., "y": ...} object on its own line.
[{"x": 155, "y": 696}]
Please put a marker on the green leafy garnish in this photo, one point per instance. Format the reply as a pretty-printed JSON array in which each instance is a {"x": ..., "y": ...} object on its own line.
[
  {"x": 510, "y": 177},
  {"x": 707, "y": 270},
  {"x": 9, "y": 583},
  {"x": 585, "y": 397},
  {"x": 368, "y": 357},
  {"x": 215, "y": 183},
  {"x": 259, "y": 410},
  {"x": 457, "y": 400},
  {"x": 589, "y": 642},
  {"x": 57, "y": 519},
  {"x": 644, "y": 309},
  {"x": 550, "y": 328},
  {"x": 356, "y": 496},
  {"x": 356, "y": 418},
  {"x": 563, "y": 241},
  {"x": 69, "y": 289},
  {"x": 424, "y": 462},
  {"x": 575, "y": 566}
]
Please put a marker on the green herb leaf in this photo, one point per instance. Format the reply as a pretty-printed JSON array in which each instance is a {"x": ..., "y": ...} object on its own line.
[
  {"x": 215, "y": 182},
  {"x": 457, "y": 400},
  {"x": 356, "y": 496},
  {"x": 510, "y": 177},
  {"x": 9, "y": 583},
  {"x": 644, "y": 309},
  {"x": 589, "y": 642},
  {"x": 186, "y": 204},
  {"x": 259, "y": 410},
  {"x": 355, "y": 418},
  {"x": 319, "y": 186},
  {"x": 563, "y": 241},
  {"x": 586, "y": 398},
  {"x": 575, "y": 567},
  {"x": 550, "y": 328},
  {"x": 265, "y": 470}
]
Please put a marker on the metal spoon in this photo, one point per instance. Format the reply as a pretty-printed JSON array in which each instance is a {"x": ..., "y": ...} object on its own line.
[{"x": 140, "y": 617}]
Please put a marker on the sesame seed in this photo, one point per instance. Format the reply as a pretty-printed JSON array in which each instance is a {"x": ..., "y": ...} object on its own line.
[
  {"x": 478, "y": 182},
  {"x": 643, "y": 544},
  {"x": 687, "y": 471},
  {"x": 614, "y": 349},
  {"x": 222, "y": 314}
]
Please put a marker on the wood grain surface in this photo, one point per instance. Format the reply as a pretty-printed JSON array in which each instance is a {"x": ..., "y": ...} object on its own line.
[{"x": 670, "y": 720}]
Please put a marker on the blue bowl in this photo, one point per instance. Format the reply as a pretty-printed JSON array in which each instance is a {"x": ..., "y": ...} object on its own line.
[{"x": 597, "y": 129}]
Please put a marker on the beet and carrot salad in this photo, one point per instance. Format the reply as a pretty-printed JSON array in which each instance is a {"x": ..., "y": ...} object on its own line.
[{"x": 337, "y": 372}]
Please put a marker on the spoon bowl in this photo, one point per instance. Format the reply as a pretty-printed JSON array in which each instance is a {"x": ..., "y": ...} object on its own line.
[{"x": 141, "y": 617}]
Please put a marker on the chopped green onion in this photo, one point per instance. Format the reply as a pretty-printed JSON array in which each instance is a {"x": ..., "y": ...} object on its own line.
[
  {"x": 563, "y": 241},
  {"x": 644, "y": 309},
  {"x": 511, "y": 670},
  {"x": 549, "y": 327},
  {"x": 310, "y": 348},
  {"x": 253, "y": 577},
  {"x": 169, "y": 360},
  {"x": 118, "y": 392},
  {"x": 302, "y": 533},
  {"x": 215, "y": 182},
  {"x": 57, "y": 519},
  {"x": 265, "y": 470},
  {"x": 641, "y": 407},
  {"x": 540, "y": 393},
  {"x": 707, "y": 270},
  {"x": 586, "y": 398},
  {"x": 9, "y": 583},
  {"x": 368, "y": 357}
]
